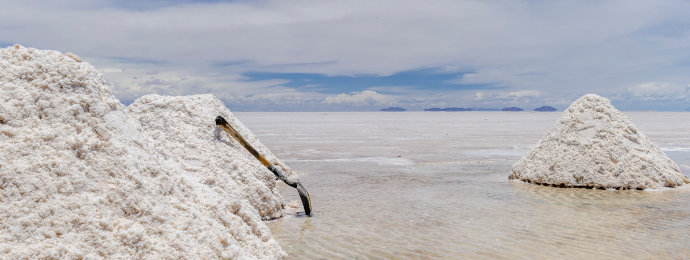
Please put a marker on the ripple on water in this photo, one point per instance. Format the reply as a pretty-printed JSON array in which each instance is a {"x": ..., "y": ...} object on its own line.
[{"x": 468, "y": 214}]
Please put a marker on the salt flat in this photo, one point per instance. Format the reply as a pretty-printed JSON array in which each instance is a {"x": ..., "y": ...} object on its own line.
[{"x": 435, "y": 185}]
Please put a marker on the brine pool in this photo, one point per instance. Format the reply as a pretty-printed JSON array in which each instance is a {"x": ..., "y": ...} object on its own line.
[{"x": 435, "y": 185}]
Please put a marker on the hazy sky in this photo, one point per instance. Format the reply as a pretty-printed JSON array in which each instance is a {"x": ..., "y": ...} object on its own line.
[{"x": 365, "y": 55}]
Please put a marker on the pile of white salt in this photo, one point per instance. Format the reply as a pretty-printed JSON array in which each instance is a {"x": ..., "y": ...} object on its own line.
[
  {"x": 82, "y": 176},
  {"x": 595, "y": 145}
]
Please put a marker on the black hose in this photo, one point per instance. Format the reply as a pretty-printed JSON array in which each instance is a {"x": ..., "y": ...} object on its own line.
[{"x": 303, "y": 194}]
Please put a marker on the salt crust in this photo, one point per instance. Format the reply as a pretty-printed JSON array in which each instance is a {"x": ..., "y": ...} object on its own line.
[
  {"x": 82, "y": 176},
  {"x": 595, "y": 145}
]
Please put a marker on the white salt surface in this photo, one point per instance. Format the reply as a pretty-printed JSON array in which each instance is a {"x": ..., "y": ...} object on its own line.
[
  {"x": 595, "y": 145},
  {"x": 82, "y": 177}
]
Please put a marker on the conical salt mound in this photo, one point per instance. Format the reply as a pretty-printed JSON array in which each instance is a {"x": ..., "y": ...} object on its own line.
[{"x": 595, "y": 145}]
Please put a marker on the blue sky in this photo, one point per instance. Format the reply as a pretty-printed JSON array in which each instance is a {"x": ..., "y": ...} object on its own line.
[
  {"x": 364, "y": 55},
  {"x": 429, "y": 79}
]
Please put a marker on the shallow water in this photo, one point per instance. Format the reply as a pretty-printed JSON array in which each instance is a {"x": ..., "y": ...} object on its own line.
[{"x": 435, "y": 185}]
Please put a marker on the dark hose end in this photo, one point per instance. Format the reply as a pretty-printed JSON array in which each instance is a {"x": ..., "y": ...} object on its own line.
[
  {"x": 220, "y": 120},
  {"x": 306, "y": 200}
]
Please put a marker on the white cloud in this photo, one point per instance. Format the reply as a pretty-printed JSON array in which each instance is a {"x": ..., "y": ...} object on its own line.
[
  {"x": 660, "y": 91},
  {"x": 364, "y": 98},
  {"x": 378, "y": 36},
  {"x": 512, "y": 97},
  {"x": 557, "y": 48},
  {"x": 134, "y": 80}
]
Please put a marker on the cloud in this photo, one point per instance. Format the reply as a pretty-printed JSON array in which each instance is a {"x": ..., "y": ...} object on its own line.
[
  {"x": 466, "y": 34},
  {"x": 560, "y": 49},
  {"x": 364, "y": 98},
  {"x": 660, "y": 91},
  {"x": 513, "y": 97},
  {"x": 133, "y": 80}
]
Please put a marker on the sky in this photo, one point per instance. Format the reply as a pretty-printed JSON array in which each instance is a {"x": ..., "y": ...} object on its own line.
[{"x": 365, "y": 55}]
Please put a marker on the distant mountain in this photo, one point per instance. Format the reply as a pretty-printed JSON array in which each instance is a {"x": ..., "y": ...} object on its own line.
[
  {"x": 449, "y": 109},
  {"x": 486, "y": 109},
  {"x": 453, "y": 109},
  {"x": 393, "y": 109},
  {"x": 512, "y": 109},
  {"x": 545, "y": 109}
]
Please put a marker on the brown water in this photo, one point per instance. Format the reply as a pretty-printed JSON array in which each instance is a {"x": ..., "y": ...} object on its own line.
[{"x": 435, "y": 185}]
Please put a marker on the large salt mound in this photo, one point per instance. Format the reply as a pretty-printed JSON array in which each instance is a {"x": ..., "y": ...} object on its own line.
[
  {"x": 81, "y": 178},
  {"x": 595, "y": 145}
]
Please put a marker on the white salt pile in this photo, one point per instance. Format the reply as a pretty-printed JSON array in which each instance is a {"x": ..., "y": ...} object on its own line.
[
  {"x": 82, "y": 177},
  {"x": 595, "y": 145}
]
